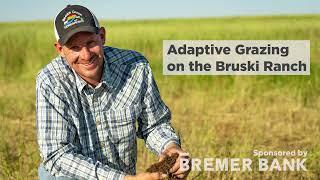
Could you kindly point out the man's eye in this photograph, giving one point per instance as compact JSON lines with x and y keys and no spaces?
{"x":92,"y":43}
{"x":75,"y":48}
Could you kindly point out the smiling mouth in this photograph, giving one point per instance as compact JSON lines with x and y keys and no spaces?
{"x":90,"y":62}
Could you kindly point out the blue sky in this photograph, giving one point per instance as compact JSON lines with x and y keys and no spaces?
{"x":24,"y":10}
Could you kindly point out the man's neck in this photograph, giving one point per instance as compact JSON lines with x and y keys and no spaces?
{"x":93,"y":82}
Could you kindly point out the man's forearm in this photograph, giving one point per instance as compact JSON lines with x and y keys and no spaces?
{"x":161,"y":136}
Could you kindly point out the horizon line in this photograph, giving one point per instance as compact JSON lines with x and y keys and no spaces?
{"x":176,"y":18}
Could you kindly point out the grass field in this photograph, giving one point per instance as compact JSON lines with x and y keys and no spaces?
{"x":216,"y":116}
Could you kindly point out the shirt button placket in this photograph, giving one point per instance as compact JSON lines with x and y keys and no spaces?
{"x":103,"y":145}
{"x":97,"y":109}
{"x":98,"y":118}
{"x":98,"y":121}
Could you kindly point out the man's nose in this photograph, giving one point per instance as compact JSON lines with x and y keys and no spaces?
{"x":85,"y":53}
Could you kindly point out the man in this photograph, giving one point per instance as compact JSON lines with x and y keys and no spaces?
{"x":89,"y":99}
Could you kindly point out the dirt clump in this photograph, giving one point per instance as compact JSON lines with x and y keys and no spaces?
{"x":164,"y":166}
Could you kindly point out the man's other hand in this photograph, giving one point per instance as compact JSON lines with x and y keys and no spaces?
{"x":176,"y":170}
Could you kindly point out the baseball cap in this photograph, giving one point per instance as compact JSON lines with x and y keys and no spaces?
{"x":73,"y":19}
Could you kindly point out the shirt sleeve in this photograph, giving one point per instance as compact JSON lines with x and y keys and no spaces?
{"x":58,"y":141}
{"x":154,"y":123}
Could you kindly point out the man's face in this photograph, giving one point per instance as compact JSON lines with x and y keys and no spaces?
{"x":84,"y":54}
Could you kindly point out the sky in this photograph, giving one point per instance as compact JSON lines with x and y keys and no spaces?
{"x":31,"y":10}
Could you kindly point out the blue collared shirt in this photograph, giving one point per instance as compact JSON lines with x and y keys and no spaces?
{"x":90,"y":133}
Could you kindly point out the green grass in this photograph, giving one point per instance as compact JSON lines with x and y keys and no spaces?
{"x":216,"y":116}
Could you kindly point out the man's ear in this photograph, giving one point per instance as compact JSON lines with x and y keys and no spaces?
{"x":59,"y":49}
{"x":102,"y":34}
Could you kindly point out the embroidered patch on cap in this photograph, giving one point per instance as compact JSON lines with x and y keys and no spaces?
{"x":72,"y":18}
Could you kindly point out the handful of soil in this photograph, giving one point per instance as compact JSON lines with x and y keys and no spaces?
{"x":165,"y":165}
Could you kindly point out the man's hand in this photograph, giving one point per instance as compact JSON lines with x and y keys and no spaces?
{"x":146,"y":176}
{"x":176,"y":170}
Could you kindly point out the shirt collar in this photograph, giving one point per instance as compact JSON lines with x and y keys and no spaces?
{"x":80,"y":83}
{"x":106,"y":74}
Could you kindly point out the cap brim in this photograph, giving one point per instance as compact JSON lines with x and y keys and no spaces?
{"x":69,"y":34}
